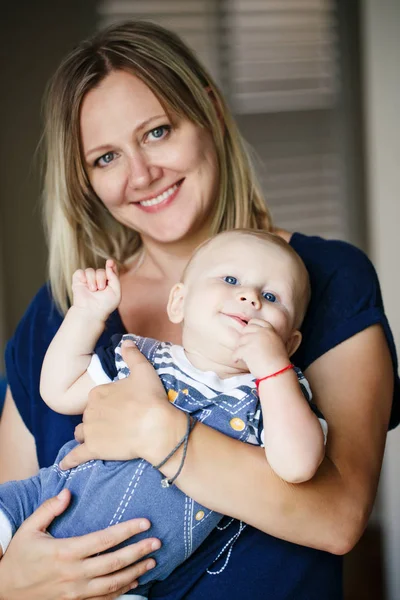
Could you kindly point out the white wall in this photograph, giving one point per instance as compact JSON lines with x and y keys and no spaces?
{"x":381,"y":27}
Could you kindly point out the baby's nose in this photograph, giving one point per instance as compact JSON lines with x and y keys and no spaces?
{"x":250,"y":296}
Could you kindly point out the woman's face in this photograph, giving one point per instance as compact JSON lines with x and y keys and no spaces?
{"x":157,"y":176}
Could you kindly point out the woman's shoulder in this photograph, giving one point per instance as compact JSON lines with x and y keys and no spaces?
{"x":327,"y":256}
{"x":39,"y":323}
{"x":345,"y":299}
{"x":344,"y":285}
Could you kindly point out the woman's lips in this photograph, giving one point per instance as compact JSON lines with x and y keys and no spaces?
{"x":162,"y":200}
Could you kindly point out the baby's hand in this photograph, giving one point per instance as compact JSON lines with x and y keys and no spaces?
{"x":261,"y":349}
{"x":97,"y":290}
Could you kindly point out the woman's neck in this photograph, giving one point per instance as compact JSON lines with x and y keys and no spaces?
{"x":167,"y":261}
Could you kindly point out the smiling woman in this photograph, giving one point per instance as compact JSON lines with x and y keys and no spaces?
{"x":143,"y":163}
{"x":155,"y":173}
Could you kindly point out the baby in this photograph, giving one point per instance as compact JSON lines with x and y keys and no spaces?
{"x":241,"y":301}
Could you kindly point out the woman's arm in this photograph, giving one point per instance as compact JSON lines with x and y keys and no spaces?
{"x":39,"y":567}
{"x":17,"y":446}
{"x":329,"y":512}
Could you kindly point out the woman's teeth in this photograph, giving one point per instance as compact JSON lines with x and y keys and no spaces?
{"x":160,"y":198}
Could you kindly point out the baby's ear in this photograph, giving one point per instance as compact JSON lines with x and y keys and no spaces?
{"x":293,"y":342}
{"x":175,"y":303}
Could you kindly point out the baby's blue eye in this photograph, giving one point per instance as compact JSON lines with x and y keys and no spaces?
{"x":231,"y":280}
{"x":269,"y":296}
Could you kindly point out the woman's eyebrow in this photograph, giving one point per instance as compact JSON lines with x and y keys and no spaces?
{"x":140,"y":127}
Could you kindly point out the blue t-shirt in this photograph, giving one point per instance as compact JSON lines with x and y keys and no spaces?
{"x":345,"y":300}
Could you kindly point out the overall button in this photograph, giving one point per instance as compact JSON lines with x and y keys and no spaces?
{"x":172,"y":395}
{"x":237,"y":424}
{"x":199,"y":515}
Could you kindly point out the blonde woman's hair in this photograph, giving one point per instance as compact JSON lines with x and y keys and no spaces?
{"x":80,"y":230}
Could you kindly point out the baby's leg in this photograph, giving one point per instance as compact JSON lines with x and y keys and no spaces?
{"x":18,"y":500}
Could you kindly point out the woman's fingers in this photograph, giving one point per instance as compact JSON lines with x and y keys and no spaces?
{"x":114,"y":595}
{"x":105,"y":539}
{"x":113,"y":584}
{"x":47,"y":512}
{"x":79,"y":434}
{"x":39,"y":567}
{"x":77,"y":456}
{"x":112,"y":574}
{"x":111,"y":562}
{"x":132,"y":355}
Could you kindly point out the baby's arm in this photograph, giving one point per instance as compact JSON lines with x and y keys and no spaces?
{"x":64,"y":382}
{"x":293,"y":436}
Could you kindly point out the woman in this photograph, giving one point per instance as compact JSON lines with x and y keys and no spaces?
{"x":143,"y":163}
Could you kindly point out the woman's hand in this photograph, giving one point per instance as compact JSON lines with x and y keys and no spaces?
{"x":128,"y":418}
{"x":39,"y":567}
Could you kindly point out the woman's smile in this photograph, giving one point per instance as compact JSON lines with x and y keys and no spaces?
{"x":137,"y":156}
{"x":161,"y":200}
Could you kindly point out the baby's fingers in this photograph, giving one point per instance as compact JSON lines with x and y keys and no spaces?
{"x":101,"y":279}
{"x":91,"y":279}
{"x":112,"y":276}
{"x":258,"y":323}
{"x":79,"y":277}
{"x":111,"y":267}
{"x":237,"y":354}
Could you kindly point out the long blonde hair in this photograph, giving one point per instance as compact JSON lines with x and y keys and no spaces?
{"x":80,"y":230}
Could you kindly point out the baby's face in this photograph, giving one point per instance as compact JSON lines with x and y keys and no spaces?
{"x":235,"y":278}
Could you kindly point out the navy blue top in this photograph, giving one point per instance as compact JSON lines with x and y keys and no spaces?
{"x":345,"y":299}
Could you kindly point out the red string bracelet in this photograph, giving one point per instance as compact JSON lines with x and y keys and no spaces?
{"x":258,"y":381}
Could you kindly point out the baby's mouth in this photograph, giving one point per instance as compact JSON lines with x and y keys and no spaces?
{"x":240,"y":319}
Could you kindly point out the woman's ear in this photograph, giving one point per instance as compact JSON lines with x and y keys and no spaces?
{"x":175,"y":303}
{"x":293,"y":342}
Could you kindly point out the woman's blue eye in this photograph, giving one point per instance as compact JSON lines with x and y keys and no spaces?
{"x":269,"y":296}
{"x":231,"y":280}
{"x":106,"y":159}
{"x":160,"y":132}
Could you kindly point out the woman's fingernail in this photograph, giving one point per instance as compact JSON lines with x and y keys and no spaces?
{"x":134,"y":585}
{"x":128,"y":343}
{"x":155,"y":545}
{"x":150,"y":564}
{"x":143,"y":525}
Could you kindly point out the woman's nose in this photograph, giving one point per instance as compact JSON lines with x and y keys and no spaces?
{"x":250,"y":296}
{"x":141,"y":172}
